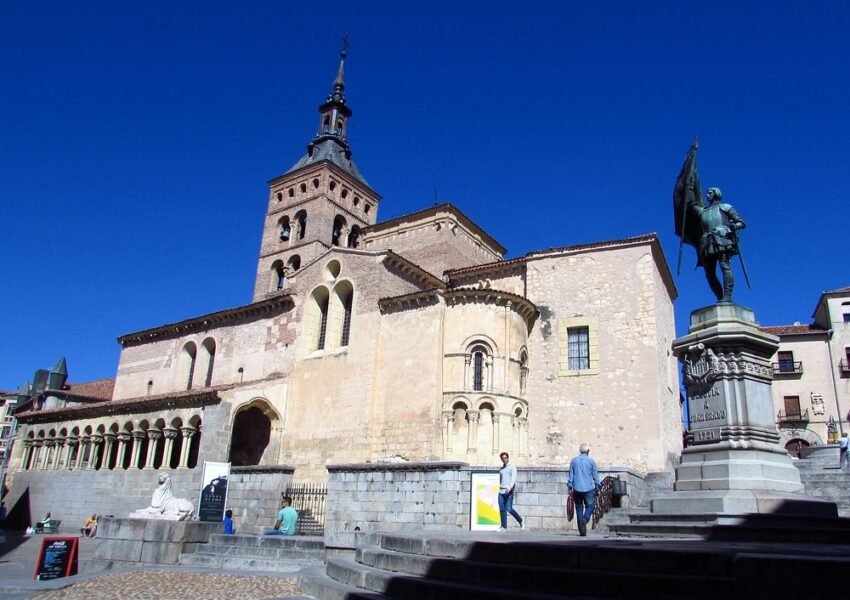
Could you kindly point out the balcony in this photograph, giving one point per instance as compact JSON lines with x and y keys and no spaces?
{"x":786,"y":418}
{"x":844,"y":368}
{"x":787,"y":368}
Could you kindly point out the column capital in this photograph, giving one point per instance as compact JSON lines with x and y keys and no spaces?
{"x":170,"y":433}
{"x":188,"y":431}
{"x":73,"y":440}
{"x":154,"y":433}
{"x":124,"y":436}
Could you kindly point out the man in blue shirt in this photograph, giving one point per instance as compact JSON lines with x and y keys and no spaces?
{"x":584,"y":483}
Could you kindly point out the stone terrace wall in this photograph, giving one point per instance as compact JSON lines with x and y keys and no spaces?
{"x":254,"y":496}
{"x":364,"y":499}
{"x":72,"y":496}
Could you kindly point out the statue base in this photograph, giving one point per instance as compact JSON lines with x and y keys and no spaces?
{"x":123,"y":542}
{"x":733,"y":462}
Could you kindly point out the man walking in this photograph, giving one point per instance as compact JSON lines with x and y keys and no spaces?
{"x":584,"y":483}
{"x":844,"y":451}
{"x":507,"y":484}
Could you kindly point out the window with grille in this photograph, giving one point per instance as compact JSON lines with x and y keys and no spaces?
{"x":578,"y":346}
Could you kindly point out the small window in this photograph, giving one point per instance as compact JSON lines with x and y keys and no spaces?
{"x":344,"y":193}
{"x":279,"y":196}
{"x":578,"y":346}
{"x":291,"y":192}
{"x":479,"y":366}
{"x":285,"y":229}
{"x":845,"y":309}
{"x":316,"y":183}
{"x":366,"y":208}
{"x":356,"y":200}
{"x":303,"y":188}
{"x":332,"y":185}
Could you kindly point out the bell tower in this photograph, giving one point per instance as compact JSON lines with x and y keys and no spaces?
{"x":321,"y":202}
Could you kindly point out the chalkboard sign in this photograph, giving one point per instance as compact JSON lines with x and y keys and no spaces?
{"x":57,"y":558}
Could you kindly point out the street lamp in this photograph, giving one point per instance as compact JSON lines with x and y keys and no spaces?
{"x":829,"y":334}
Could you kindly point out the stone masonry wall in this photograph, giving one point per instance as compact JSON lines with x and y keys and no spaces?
{"x":364,"y":499}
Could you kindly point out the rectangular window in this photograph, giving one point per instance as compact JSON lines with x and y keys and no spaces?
{"x":786,"y":362}
{"x":323,"y":326}
{"x":478,"y":371}
{"x":792,"y":406}
{"x":578,"y":343}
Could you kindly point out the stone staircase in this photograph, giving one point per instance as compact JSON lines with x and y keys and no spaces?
{"x":826,"y":482}
{"x":277,"y":553}
{"x":526,"y":565}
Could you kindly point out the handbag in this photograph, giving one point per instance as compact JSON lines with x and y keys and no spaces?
{"x":571,"y":506}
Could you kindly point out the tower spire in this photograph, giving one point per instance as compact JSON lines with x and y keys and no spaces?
{"x":339,"y":82}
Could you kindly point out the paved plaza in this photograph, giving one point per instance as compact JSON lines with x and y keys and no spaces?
{"x":18,"y":558}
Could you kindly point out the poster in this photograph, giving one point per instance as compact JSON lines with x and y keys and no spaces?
{"x":56,"y":558}
{"x":484,"y":502}
{"x":214,"y":492}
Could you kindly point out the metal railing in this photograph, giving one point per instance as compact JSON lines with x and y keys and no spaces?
{"x":789,"y":367}
{"x":604,"y":499}
{"x":844,"y":367}
{"x":309,"y":500}
{"x":793,"y":417}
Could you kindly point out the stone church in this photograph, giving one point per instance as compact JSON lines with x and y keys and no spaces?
{"x":411,"y":339}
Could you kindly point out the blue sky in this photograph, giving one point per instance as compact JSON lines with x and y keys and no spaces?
{"x":137,"y":139}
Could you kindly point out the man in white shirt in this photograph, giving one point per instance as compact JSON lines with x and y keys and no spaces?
{"x":843,"y":452}
{"x":507,"y":484}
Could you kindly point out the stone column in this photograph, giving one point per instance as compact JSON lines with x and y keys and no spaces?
{"x":515,"y":435}
{"x":80,"y":463}
{"x":497,"y":432}
{"x":108,"y":441}
{"x":154,"y":435}
{"x":170,"y":434}
{"x":472,"y":434}
{"x":449,"y":422}
{"x":467,"y":376}
{"x":123,"y":438}
{"x":523,"y":436}
{"x":71,"y":459}
{"x":28,"y":450}
{"x":187,"y":432}
{"x":96,"y":449}
{"x":138,"y":436}
{"x":46,"y":450}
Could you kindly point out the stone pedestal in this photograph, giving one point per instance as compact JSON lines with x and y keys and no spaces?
{"x":733,"y":462}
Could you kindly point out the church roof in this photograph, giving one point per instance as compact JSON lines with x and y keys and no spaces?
{"x":329,"y":151}
{"x":99,"y":388}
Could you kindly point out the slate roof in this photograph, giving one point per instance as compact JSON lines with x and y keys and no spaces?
{"x":793,"y":329}
{"x":329,"y":150}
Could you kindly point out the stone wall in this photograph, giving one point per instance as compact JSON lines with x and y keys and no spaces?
{"x":364,"y":499}
{"x":72,"y":496}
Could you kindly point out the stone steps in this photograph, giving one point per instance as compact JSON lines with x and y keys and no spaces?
{"x":262,"y":553}
{"x":473,"y":566}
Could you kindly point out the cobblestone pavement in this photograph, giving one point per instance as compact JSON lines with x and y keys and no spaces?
{"x":160,"y":585}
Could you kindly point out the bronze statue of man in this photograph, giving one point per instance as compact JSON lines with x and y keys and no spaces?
{"x":711,"y":229}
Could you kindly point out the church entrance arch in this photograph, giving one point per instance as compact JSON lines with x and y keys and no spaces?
{"x":251,"y":433}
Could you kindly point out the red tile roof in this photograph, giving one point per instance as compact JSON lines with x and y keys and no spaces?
{"x":99,"y":388}
{"x":793,"y":329}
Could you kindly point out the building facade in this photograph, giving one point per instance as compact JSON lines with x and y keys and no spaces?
{"x":811,"y":370}
{"x":412,"y":339}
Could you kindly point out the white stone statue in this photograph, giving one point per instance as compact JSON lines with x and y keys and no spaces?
{"x":164,"y":505}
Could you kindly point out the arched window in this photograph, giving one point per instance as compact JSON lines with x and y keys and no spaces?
{"x":294,"y":263}
{"x":278,"y":276}
{"x":209,"y":354}
{"x":523,"y":371}
{"x":284,"y":228}
{"x":341,"y":312}
{"x":301,"y":220}
{"x":338,"y":228}
{"x":316,"y":316}
{"x":479,"y":366}
{"x":195,"y":443}
{"x":251,"y":434}
{"x":186,"y":363}
{"x":354,"y":236}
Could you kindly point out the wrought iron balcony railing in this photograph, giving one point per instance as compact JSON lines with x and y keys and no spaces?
{"x":844,"y":368}
{"x":793,"y":417}
{"x":788,"y":368}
